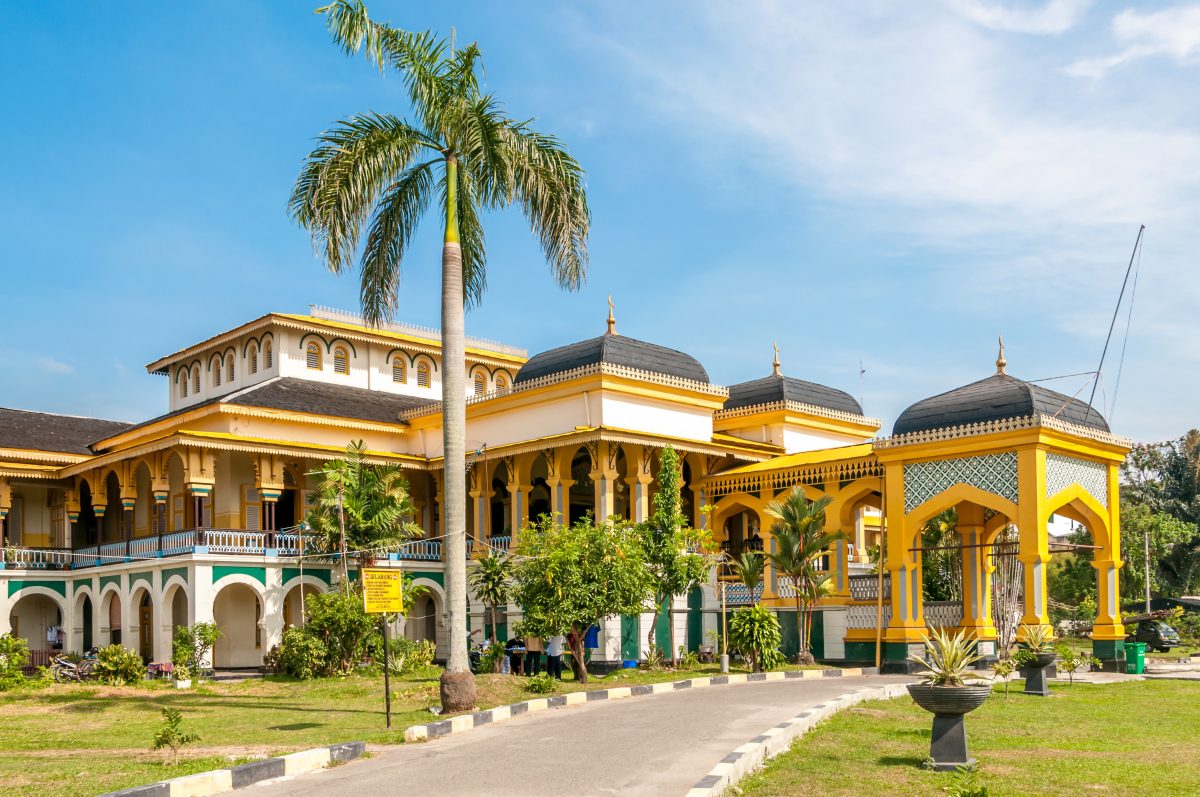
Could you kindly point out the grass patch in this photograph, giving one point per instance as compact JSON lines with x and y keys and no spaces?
{"x":1127,"y":738}
{"x":70,"y":739}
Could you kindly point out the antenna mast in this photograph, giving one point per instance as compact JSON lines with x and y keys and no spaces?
{"x":1116,"y":311}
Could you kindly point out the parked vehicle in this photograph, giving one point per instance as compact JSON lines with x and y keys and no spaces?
{"x":64,"y":670}
{"x":1153,"y":632}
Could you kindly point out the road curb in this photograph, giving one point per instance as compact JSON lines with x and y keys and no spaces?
{"x":216,"y":781}
{"x":745,"y":759}
{"x":467,"y":722}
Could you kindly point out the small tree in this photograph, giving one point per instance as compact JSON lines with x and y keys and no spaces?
{"x":171,"y":736}
{"x":677,"y":556}
{"x":343,"y":627}
{"x":754,"y":632}
{"x":191,"y":645}
{"x":490,"y":579}
{"x":800,"y":539}
{"x":568,"y":578}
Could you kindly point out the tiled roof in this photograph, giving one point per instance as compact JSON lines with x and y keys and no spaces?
{"x":322,"y":398}
{"x":615,"y":350}
{"x":998,"y":397}
{"x":775,"y":388}
{"x":43,"y":431}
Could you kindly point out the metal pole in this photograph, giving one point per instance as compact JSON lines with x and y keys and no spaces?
{"x":1146,"y":539}
{"x":342,"y":541}
{"x":879,"y":568}
{"x":387,"y":686}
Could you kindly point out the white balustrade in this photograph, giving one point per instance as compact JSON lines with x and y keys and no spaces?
{"x":422,"y":550}
{"x":943,"y":614}
{"x":234,"y":540}
{"x":144,"y":547}
{"x":37,"y":558}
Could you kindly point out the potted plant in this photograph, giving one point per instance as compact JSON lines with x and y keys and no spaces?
{"x":946,"y":694}
{"x":1035,"y":657}
{"x":182,"y":676}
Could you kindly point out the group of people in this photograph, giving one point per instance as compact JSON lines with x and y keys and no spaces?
{"x":523,"y":656}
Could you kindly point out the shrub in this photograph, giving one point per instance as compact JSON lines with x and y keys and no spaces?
{"x":540,"y":684}
{"x":14,"y":655}
{"x":754,"y":632}
{"x":948,"y":657}
{"x":407,"y":655}
{"x":119,"y":665}
{"x":191,"y":645}
{"x":343,"y":628}
{"x":490,"y":659}
{"x":170,"y":735}
{"x":299,"y":655}
{"x":687,"y":659}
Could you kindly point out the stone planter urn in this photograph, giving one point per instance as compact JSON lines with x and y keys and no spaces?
{"x":948,"y":705}
{"x":1037,"y":681}
{"x":183,"y":683}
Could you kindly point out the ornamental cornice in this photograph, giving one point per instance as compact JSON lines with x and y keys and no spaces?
{"x":1035,"y":421}
{"x":800,"y":407}
{"x":814,"y":473}
{"x":53,"y":457}
{"x":596,"y":369}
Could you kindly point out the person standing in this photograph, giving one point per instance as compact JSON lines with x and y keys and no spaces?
{"x":554,"y":651}
{"x":533,"y":655}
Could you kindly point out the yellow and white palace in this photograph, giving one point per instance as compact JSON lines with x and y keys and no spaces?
{"x":120,"y":532}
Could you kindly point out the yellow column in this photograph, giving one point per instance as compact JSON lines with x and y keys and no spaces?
{"x":839,"y":553}
{"x":518,"y":489}
{"x":1034,"y":540}
{"x":604,"y":476}
{"x":907,"y":623}
{"x":1107,"y":561}
{"x":559,"y":481}
{"x":638,"y":477}
{"x":976,"y":576}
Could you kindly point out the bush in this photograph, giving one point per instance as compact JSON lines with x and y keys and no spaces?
{"x":191,"y":645}
{"x":542,"y":684}
{"x":754,"y":632}
{"x":407,"y":655}
{"x":119,"y":665}
{"x":687,"y":659}
{"x":298,"y":655}
{"x":490,"y":659}
{"x":344,"y":629}
{"x":14,"y":655}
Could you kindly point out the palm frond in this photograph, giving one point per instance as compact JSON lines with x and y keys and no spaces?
{"x":344,"y":175}
{"x":392,"y":227}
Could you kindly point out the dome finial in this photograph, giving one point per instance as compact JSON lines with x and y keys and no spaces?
{"x":1001,"y":363}
{"x":612,"y":321}
{"x":775,"y":365}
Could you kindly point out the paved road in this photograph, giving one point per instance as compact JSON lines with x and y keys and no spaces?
{"x":657,"y":744}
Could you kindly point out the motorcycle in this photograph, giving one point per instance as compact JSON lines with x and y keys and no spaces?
{"x":65,"y":671}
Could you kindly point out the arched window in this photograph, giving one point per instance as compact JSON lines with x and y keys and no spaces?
{"x":267,"y":359}
{"x":341,"y":363}
{"x":216,"y":372}
{"x":399,"y":374}
{"x":196,"y":379}
{"x":501,"y":384}
{"x":312,"y":356}
{"x":422,"y":374}
{"x":183,"y":377}
{"x":480,"y":384}
{"x":252,"y":360}
{"x":230,"y":373}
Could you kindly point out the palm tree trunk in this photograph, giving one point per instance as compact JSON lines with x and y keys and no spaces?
{"x":799,"y":623}
{"x":454,"y":430}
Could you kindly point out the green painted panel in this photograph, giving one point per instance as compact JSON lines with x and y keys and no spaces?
{"x":136,"y":577}
{"x":787,"y":630}
{"x":182,"y":572}
{"x":106,"y":580}
{"x":629,"y":638}
{"x":220,"y":571}
{"x":57,"y":586}
{"x":294,"y":572}
{"x":860,"y":652}
{"x":817,"y":643}
{"x":436,"y":576}
{"x":695,"y":619}
{"x":662,"y":629}
{"x":895,"y":651}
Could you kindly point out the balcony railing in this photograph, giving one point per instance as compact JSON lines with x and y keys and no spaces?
{"x":866,"y":587}
{"x":421,"y":550}
{"x":176,"y":543}
{"x":37,"y":558}
{"x":738,"y":595}
{"x":499,"y":544}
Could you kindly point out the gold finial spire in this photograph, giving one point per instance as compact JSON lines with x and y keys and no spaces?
{"x":775,"y":365}
{"x":1001,"y":363}
{"x":612,"y":321}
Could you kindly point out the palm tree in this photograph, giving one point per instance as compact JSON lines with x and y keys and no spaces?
{"x":377,"y":173}
{"x":490,"y":580}
{"x":360,"y":506}
{"x":800,"y":539}
{"x":748,"y":567}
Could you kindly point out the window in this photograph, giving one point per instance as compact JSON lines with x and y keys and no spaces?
{"x":501,"y":384}
{"x":480,"y":385}
{"x":312,"y":356}
{"x":252,"y":363}
{"x":196,"y":379}
{"x":229,"y":372}
{"x":422,"y":374}
{"x":398,"y":372}
{"x":182,"y":375}
{"x":216,"y":372}
{"x":267,"y":354}
{"x":341,"y":363}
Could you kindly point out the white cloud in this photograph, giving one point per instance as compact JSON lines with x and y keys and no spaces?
{"x":1172,"y":33}
{"x":53,"y":366}
{"x":1054,"y":17}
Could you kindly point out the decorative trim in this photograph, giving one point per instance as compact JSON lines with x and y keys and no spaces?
{"x":797,"y":406}
{"x":814,"y":473}
{"x":1003,"y":425}
{"x":601,"y":369}
{"x":992,"y":473}
{"x":1063,"y":471}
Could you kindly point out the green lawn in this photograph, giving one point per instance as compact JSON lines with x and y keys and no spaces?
{"x":87,"y":739}
{"x":1119,"y":739}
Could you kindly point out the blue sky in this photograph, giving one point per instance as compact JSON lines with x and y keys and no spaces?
{"x":861,"y":182}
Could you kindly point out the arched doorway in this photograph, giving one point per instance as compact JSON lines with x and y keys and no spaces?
{"x":582,"y":495}
{"x":110,"y":618}
{"x":237,"y":611}
{"x":38,"y":620}
{"x":424,"y":621}
{"x":84,"y":619}
{"x":293,"y":604}
{"x":144,"y":608}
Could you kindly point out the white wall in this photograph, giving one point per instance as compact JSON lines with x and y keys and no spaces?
{"x":234,"y":611}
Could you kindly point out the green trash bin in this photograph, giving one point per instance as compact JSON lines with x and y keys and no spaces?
{"x":1135,"y":658}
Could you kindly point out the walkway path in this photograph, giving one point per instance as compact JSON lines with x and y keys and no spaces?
{"x":659,"y":744}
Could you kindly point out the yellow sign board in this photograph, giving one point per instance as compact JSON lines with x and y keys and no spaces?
{"x":381,"y":590}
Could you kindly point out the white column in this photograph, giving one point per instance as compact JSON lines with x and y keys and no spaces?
{"x":273,"y":597}
{"x":200,"y":608}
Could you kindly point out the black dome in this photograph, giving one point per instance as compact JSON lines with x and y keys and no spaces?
{"x":614,"y":350}
{"x":998,"y":397}
{"x":774,"y":388}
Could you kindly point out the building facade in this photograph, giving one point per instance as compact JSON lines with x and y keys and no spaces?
{"x":119,"y":532}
